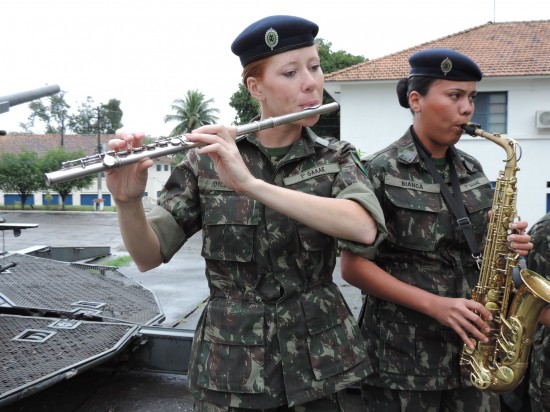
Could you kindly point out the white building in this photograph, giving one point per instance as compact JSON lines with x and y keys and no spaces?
{"x":513,"y":99}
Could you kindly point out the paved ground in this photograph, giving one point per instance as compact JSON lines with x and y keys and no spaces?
{"x":180,"y":287}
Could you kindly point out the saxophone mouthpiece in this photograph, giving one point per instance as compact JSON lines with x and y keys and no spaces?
{"x":470,"y":128}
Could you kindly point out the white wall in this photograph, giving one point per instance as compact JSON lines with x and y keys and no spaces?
{"x":371,"y":118}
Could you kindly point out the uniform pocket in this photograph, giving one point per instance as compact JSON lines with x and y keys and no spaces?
{"x":409,"y":349}
{"x":415,"y":220}
{"x":334,"y":341}
{"x":229,"y":224}
{"x":233,"y":348}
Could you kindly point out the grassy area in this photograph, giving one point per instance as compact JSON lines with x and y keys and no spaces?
{"x":118,"y":261}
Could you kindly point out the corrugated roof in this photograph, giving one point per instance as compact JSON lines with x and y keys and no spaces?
{"x":500,"y":49}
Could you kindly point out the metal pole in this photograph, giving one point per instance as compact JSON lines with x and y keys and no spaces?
{"x":99,"y":150}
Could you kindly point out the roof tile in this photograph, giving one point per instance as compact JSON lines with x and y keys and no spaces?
{"x":500,"y":49}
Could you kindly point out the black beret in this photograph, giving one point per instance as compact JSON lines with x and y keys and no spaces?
{"x":444,"y":64}
{"x":272,"y":35}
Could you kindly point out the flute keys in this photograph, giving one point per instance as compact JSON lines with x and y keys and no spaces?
{"x":109,"y":161}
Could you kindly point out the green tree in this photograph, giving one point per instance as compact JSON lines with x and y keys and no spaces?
{"x":329,"y":123}
{"x":87,"y":121}
{"x":191,"y":112}
{"x":21,"y":173}
{"x":53,"y":160}
{"x":333,"y":61}
{"x":111,"y":117}
{"x":57,"y":119}
{"x":53,"y":114}
{"x":247,"y":108}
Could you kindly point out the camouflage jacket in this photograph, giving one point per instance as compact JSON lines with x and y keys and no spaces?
{"x":538,"y":261}
{"x":424,"y":247}
{"x":276,"y":329}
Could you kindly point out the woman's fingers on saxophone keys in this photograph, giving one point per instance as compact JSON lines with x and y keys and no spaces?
{"x":520,"y":243}
{"x":477,"y":316}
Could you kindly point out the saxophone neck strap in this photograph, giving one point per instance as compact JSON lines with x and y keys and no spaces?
{"x":453,"y":200}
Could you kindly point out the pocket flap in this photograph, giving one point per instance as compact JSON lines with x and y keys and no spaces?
{"x":234,"y":323}
{"x":324,"y":308}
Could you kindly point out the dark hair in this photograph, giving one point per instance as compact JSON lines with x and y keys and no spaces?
{"x":406,"y":85}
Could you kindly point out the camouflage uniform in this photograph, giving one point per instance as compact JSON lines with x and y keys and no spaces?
{"x":276,"y":329}
{"x":538,"y":261}
{"x":424,"y":247}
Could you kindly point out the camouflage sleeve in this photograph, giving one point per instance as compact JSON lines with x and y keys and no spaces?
{"x":178,"y":214}
{"x":352,"y":183}
{"x":538,"y":259}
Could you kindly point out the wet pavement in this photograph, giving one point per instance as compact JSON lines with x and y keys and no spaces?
{"x":181,"y":289}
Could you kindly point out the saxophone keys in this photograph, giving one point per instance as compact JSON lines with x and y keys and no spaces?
{"x":505,"y":374}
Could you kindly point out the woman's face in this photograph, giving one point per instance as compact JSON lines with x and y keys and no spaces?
{"x":441,"y":112}
{"x":291,"y":82}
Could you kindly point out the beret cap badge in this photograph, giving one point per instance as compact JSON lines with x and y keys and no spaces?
{"x":280,"y":33}
{"x":446,"y":66}
{"x":442,"y":63}
{"x":271,"y":38}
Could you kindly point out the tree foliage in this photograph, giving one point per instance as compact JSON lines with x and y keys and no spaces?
{"x":329,"y":124}
{"x":88,"y":119}
{"x":21,"y":173}
{"x":333,"y":61}
{"x":247,"y":108}
{"x":191,"y":112}
{"x":53,"y":160}
{"x":53,"y":114}
{"x":111,"y":117}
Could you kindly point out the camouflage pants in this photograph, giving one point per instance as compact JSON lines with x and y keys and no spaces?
{"x":452,"y":400}
{"x":328,"y":404}
{"x":540,"y":405}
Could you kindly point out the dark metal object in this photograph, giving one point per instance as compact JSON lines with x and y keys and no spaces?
{"x":23,"y":97}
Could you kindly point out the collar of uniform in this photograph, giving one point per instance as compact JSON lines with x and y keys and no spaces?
{"x":301,"y":148}
{"x":406,"y":149}
{"x":407,"y":154}
{"x":462,"y":166}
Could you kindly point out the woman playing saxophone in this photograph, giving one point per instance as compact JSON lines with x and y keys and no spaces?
{"x":418,"y":311}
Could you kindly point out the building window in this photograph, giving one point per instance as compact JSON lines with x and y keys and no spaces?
{"x":166,"y":168}
{"x":491,"y":111}
{"x":159,"y":167}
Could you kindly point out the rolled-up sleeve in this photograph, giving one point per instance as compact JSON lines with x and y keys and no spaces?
{"x":353,"y":184}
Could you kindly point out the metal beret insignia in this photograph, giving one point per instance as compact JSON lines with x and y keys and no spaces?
{"x":446,"y":66}
{"x":271,"y":38}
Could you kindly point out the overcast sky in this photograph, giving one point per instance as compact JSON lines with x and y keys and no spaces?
{"x":148,"y":53}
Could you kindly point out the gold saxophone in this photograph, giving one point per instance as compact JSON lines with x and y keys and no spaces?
{"x":499,"y":365}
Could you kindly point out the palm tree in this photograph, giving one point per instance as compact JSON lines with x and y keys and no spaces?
{"x":191,"y":112}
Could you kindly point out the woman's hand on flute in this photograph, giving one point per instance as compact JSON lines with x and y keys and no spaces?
{"x":127,"y":183}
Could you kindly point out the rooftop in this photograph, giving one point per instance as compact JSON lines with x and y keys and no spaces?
{"x":500,"y":49}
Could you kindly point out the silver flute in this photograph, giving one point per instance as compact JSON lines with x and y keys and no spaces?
{"x":101,"y":162}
